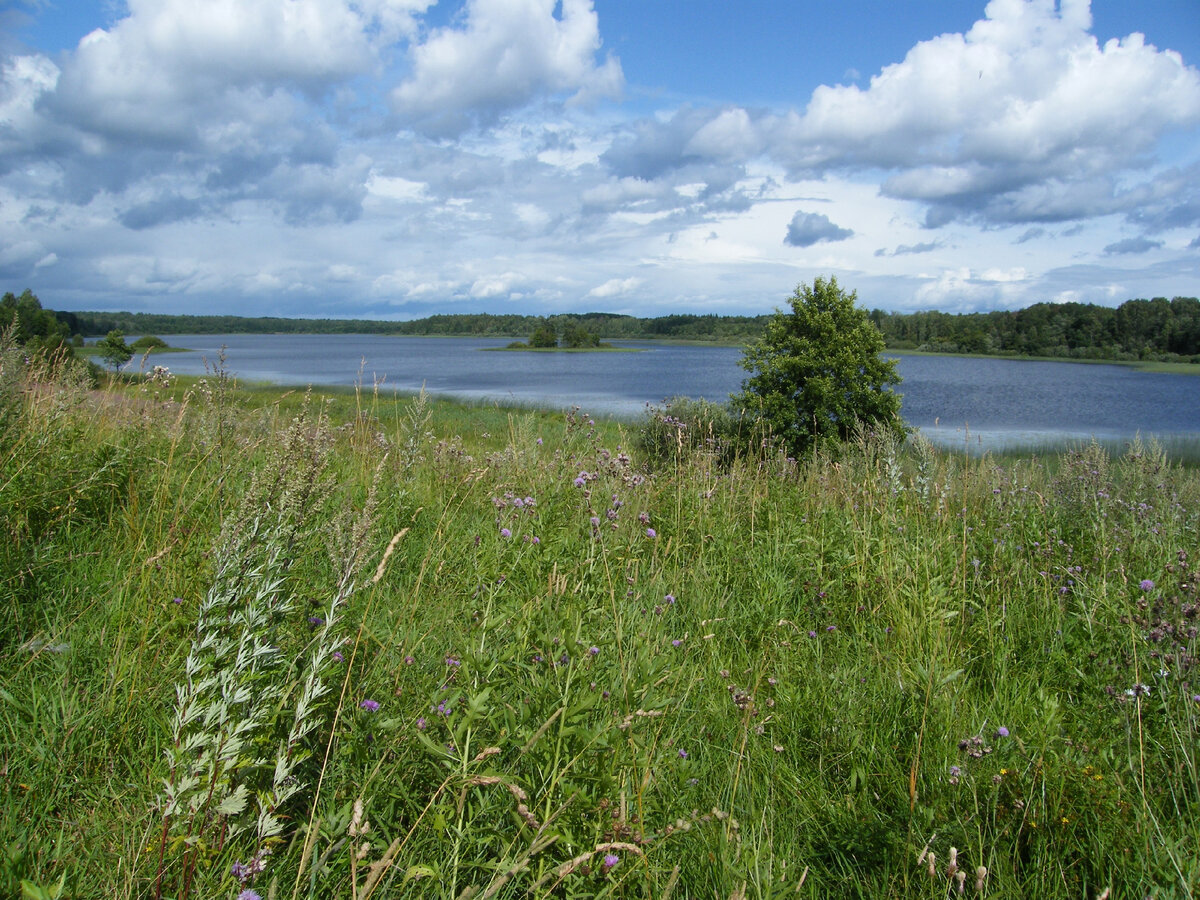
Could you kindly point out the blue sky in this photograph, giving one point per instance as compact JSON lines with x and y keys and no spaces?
{"x":398,"y":158}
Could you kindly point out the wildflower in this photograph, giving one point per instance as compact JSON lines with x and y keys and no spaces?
{"x":670,"y":598}
{"x":676,"y":643}
{"x":249,"y":894}
{"x":682,"y":753}
{"x":421,"y":723}
{"x":610,"y":860}
{"x":536,"y":539}
{"x":1147,"y":585}
{"x":831,"y":628}
{"x":651,"y":533}
{"x":451,"y":661}
{"x":539,"y":442}
{"x":593,"y":651}
{"x":178,"y":601}
{"x":812,"y":634}
{"x":315,"y":621}
{"x":644,"y":518}
{"x":1002,"y":731}
{"x":518,"y":502}
{"x":595,"y":521}
{"x":505,"y":533}
{"x":337,"y":656}
{"x":408,"y":660}
{"x":370,"y":705}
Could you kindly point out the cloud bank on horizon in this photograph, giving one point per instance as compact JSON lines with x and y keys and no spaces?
{"x":398,"y":158}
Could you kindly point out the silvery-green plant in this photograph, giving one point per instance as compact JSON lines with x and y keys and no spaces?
{"x":247,"y":713}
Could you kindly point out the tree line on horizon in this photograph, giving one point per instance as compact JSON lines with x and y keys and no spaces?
{"x":1156,"y":329}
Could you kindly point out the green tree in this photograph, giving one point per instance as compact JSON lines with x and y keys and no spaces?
{"x":544,"y":337}
{"x":817,"y":373}
{"x":114,"y":349}
{"x":576,"y":338}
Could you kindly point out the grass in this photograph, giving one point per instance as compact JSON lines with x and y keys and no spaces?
{"x":353,"y":645}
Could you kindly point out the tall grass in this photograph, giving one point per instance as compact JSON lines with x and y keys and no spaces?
{"x":359,"y":646}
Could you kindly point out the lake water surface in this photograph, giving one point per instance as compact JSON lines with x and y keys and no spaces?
{"x":988,"y":402}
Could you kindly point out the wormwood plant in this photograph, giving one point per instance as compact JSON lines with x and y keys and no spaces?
{"x":252,"y":709}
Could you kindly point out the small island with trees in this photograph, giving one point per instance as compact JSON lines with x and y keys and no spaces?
{"x":574,"y":338}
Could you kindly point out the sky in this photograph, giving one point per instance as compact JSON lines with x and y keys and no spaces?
{"x":393,"y":159}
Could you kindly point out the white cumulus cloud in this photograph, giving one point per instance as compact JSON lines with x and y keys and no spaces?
{"x":505,"y":54}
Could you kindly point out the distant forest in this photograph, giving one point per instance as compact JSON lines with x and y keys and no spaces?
{"x":1157,"y":329}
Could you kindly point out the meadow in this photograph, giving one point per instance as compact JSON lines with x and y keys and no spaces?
{"x":258,"y":643}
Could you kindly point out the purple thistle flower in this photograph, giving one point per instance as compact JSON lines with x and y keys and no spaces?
{"x":812,"y":634}
{"x":505,"y":533}
{"x":676,"y":643}
{"x":610,"y":860}
{"x":594,"y":651}
{"x":370,"y":705}
{"x":595,"y":521}
{"x":1002,"y":731}
{"x":337,"y":656}
{"x":651,"y":533}
{"x":451,"y":661}
{"x":539,"y":442}
{"x":421,"y":723}
{"x":682,"y":753}
{"x":670,"y":598}
{"x":248,"y":894}
{"x":408,"y":660}
{"x":178,"y":601}
{"x":1147,"y":585}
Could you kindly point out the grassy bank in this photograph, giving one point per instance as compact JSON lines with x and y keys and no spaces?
{"x":351,"y":647}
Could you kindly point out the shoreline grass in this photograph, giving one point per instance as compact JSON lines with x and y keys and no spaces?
{"x":567,"y":670}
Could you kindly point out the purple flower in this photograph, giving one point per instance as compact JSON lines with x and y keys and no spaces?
{"x":248,"y":894}
{"x":408,"y":660}
{"x":812,"y":634}
{"x":421,"y":723}
{"x":682,"y":753}
{"x":1002,"y":731}
{"x":955,"y":771}
{"x":536,"y":539}
{"x":505,"y":533}
{"x":518,"y":502}
{"x":178,"y":601}
{"x":337,"y":656}
{"x":595,"y":521}
{"x":594,"y":651}
{"x":651,"y":533}
{"x":610,"y":860}
{"x":539,"y":442}
{"x":1147,"y":585}
{"x":670,"y":598}
{"x":676,"y":643}
{"x":451,"y":661}
{"x":370,"y":705}
{"x":315,"y":620}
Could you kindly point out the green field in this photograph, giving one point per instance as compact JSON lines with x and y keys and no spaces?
{"x":355,"y":645}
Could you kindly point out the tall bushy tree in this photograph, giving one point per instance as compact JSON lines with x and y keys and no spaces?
{"x":817,"y":373}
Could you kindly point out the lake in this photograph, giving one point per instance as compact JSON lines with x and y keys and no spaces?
{"x":986,"y":402}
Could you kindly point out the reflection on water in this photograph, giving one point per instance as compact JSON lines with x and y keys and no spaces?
{"x":985,"y":403}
